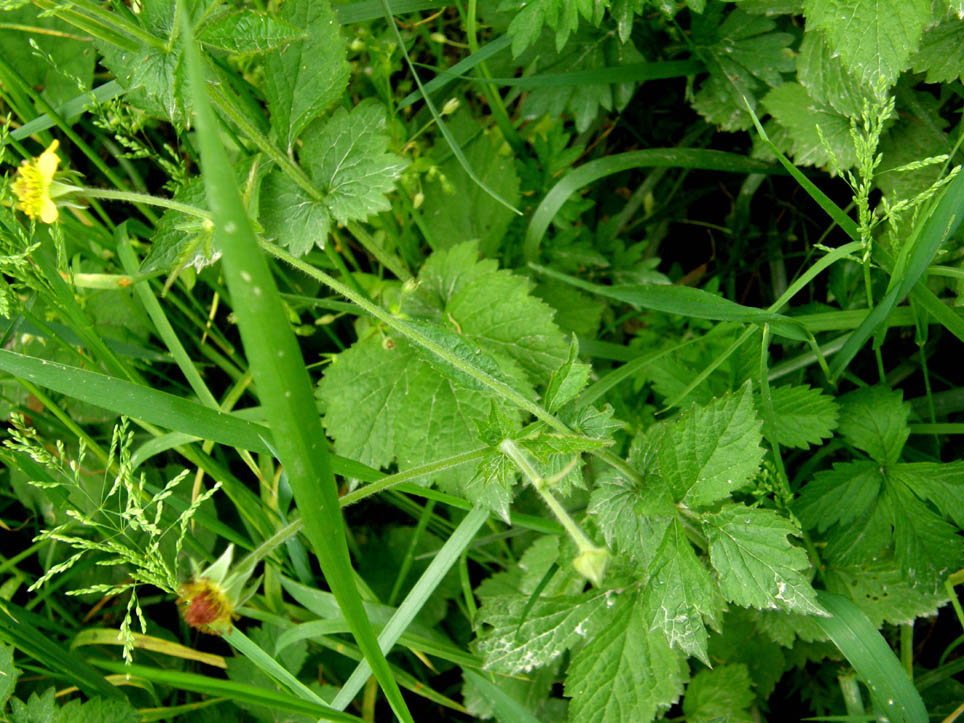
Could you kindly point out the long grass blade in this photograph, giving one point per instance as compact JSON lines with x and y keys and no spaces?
{"x":280,"y":376}
{"x":873,"y":660}
{"x":18,"y":630}
{"x":936,"y":228}
{"x":240,"y":692}
{"x":650,"y":158}
{"x":416,"y":599}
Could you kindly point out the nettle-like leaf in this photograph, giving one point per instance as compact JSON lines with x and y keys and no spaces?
{"x":881,"y":589}
{"x":624,"y":516}
{"x":874,"y":420}
{"x":568,"y":381}
{"x":43,"y":707}
{"x":802,"y":416}
{"x":680,"y":594}
{"x":744,"y":56}
{"x":154,"y":75}
{"x":757,"y":565}
{"x":551,"y":626}
{"x":306,"y":76}
{"x":457,"y":209}
{"x":712,"y":451}
{"x":248,"y":31}
{"x":723,"y":693}
{"x":347,"y":160}
{"x":819,"y":137}
{"x":819,"y":505}
{"x":827,"y":80}
{"x":588,"y":50}
{"x":939,"y":54}
{"x":384,"y":397}
{"x":626,"y":672}
{"x":562,"y":16}
{"x":180,"y":240}
{"x":874,"y":38}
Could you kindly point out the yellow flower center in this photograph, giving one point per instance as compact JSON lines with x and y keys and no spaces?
{"x":32,"y":185}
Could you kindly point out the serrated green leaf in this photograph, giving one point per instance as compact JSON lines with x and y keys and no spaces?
{"x":718,"y":695}
{"x":42,"y":708}
{"x":304,"y":78}
{"x":588,"y":50}
{"x":827,"y":80}
{"x":616,"y":507}
{"x":625,"y":673}
{"x":383,"y":403}
{"x":498,"y":312}
{"x":180,"y":239}
{"x":925,"y":546}
{"x":834,"y":150}
{"x":552,"y":626}
{"x":491,"y":485}
{"x":940,"y":483}
{"x":744,"y":57}
{"x":576,"y":312}
{"x":680,"y":594}
{"x":249,"y":31}
{"x":347,"y":158}
{"x":819,"y":505}
{"x":939,"y":53}
{"x":712,"y":451}
{"x":757,"y":565}
{"x":460,"y":210}
{"x":154,"y":75}
{"x":802,"y":415}
{"x":384,"y":397}
{"x":874,"y":38}
{"x":562,"y":16}
{"x":568,"y":381}
{"x":881,"y":589}
{"x":290,"y":218}
{"x":874,"y":419}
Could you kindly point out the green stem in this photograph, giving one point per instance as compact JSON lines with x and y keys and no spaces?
{"x":512,"y":451}
{"x":134,"y":197}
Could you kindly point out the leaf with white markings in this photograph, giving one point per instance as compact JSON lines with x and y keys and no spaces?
{"x":551,"y":626}
{"x":626,"y":672}
{"x":757,"y":565}
{"x":680,"y":594}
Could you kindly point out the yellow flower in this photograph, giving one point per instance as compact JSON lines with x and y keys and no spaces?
{"x":33,"y":185}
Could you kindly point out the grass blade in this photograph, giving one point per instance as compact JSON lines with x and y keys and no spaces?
{"x":867,"y":651}
{"x":938,"y":226}
{"x":650,"y":158}
{"x":506,"y":708}
{"x":239,"y":692}
{"x":16,"y":629}
{"x":280,"y":376}
{"x":458,"y":71}
{"x":416,"y":599}
{"x":440,"y":124}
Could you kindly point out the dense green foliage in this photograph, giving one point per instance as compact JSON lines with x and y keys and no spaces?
{"x":587,"y":360}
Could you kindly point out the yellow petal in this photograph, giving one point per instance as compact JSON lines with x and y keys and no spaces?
{"x":48,"y":161}
{"x":48,"y":211}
